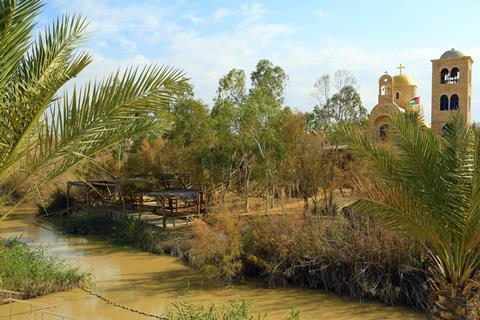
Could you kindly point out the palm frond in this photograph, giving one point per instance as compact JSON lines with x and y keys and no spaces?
{"x":428,"y":186}
{"x":40,"y":74}
{"x":16,"y":25}
{"x":100,"y":115}
{"x":42,"y":134}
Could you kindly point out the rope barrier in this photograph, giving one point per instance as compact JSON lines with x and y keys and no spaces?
{"x":115,"y":304}
{"x":118,"y":305}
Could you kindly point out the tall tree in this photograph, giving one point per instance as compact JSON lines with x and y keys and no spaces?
{"x":227,"y":155}
{"x":302,"y":168}
{"x":44,"y":133}
{"x":260,"y":122}
{"x":428,"y":186}
{"x":344,"y":106}
{"x":190,"y":140}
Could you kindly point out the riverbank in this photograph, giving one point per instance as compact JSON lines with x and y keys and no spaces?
{"x":153,"y":283}
{"x":33,"y":273}
{"x":350,"y":256}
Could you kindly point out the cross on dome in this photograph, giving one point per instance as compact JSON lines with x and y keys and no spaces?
{"x":401,"y":67}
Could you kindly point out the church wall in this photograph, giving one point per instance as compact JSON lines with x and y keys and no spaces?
{"x":406,"y":94}
{"x":462,"y":89}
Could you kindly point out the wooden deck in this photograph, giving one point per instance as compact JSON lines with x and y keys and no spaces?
{"x":171,"y":207}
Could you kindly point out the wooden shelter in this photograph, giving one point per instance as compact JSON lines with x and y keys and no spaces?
{"x":180,"y":203}
{"x":97,"y":191}
{"x":171,"y":202}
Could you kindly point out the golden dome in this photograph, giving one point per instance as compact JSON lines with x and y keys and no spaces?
{"x":403,"y":80}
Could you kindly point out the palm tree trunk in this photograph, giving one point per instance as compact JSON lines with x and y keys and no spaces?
{"x":449,"y":304}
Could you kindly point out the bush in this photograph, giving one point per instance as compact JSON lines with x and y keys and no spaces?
{"x":217,"y":248}
{"x":33,"y":273}
{"x":238,"y":311}
{"x":86,"y":224}
{"x":57,"y":202}
{"x":347,"y":254}
{"x":120,"y":229}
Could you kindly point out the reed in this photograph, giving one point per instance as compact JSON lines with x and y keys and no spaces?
{"x":347,"y":254}
{"x":123,"y":230}
{"x":235,"y":311}
{"x":34,"y":273}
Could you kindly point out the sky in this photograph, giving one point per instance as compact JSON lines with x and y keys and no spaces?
{"x":206,"y":39}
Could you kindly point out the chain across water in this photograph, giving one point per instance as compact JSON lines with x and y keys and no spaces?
{"x":118,"y":305}
{"x":91,"y":292}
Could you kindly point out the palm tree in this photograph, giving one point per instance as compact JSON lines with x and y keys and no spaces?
{"x":45,"y":129}
{"x":429,"y":187}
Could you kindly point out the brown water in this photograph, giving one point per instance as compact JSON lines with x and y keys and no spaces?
{"x":152,"y":283}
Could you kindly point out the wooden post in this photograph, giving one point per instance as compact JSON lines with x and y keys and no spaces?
{"x":140,"y":200}
{"x":88,"y":199}
{"x":171,"y":210}
{"x":205,"y":203}
{"x":198,"y":203}
{"x":164,"y":214}
{"x":68,"y":197}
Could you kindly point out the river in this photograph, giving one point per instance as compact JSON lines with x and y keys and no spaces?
{"x":152,"y":283}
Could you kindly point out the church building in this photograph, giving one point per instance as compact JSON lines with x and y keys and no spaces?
{"x":451,"y":90}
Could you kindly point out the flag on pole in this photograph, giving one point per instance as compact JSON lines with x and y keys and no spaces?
{"x":415,"y":102}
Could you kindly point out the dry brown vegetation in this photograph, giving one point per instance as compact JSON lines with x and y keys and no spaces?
{"x":346,"y":254}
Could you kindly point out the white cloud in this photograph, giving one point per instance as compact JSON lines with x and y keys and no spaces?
{"x":221,"y":14}
{"x":218,"y":15}
{"x":109,"y":17}
{"x":193,"y":18}
{"x":253,"y":12}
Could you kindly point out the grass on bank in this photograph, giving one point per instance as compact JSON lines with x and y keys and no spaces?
{"x":34,"y":273}
{"x":236,"y":311}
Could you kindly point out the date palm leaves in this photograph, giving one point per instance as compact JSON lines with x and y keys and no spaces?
{"x":45,"y":129}
{"x":428,"y":186}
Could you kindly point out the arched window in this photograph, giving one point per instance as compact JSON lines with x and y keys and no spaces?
{"x":397,"y":95}
{"x":444,"y":102}
{"x":444,"y":76}
{"x":454,"y":76}
{"x":384,"y":90}
{"x":383,"y":132}
{"x":454,"y":102}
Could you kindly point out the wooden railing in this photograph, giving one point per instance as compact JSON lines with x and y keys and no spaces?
{"x":36,"y":310}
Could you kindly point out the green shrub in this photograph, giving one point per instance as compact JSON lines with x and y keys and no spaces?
{"x":57,"y":202}
{"x":83,"y":224}
{"x":236,"y":311}
{"x":120,"y":229}
{"x":34,"y":273}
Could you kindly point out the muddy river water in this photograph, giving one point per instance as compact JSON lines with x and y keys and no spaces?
{"x":152,"y":283}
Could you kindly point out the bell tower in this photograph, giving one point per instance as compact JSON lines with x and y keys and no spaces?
{"x":451,"y":88}
{"x":385,"y":86}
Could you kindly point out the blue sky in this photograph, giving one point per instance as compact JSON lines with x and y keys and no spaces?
{"x":306,"y":38}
